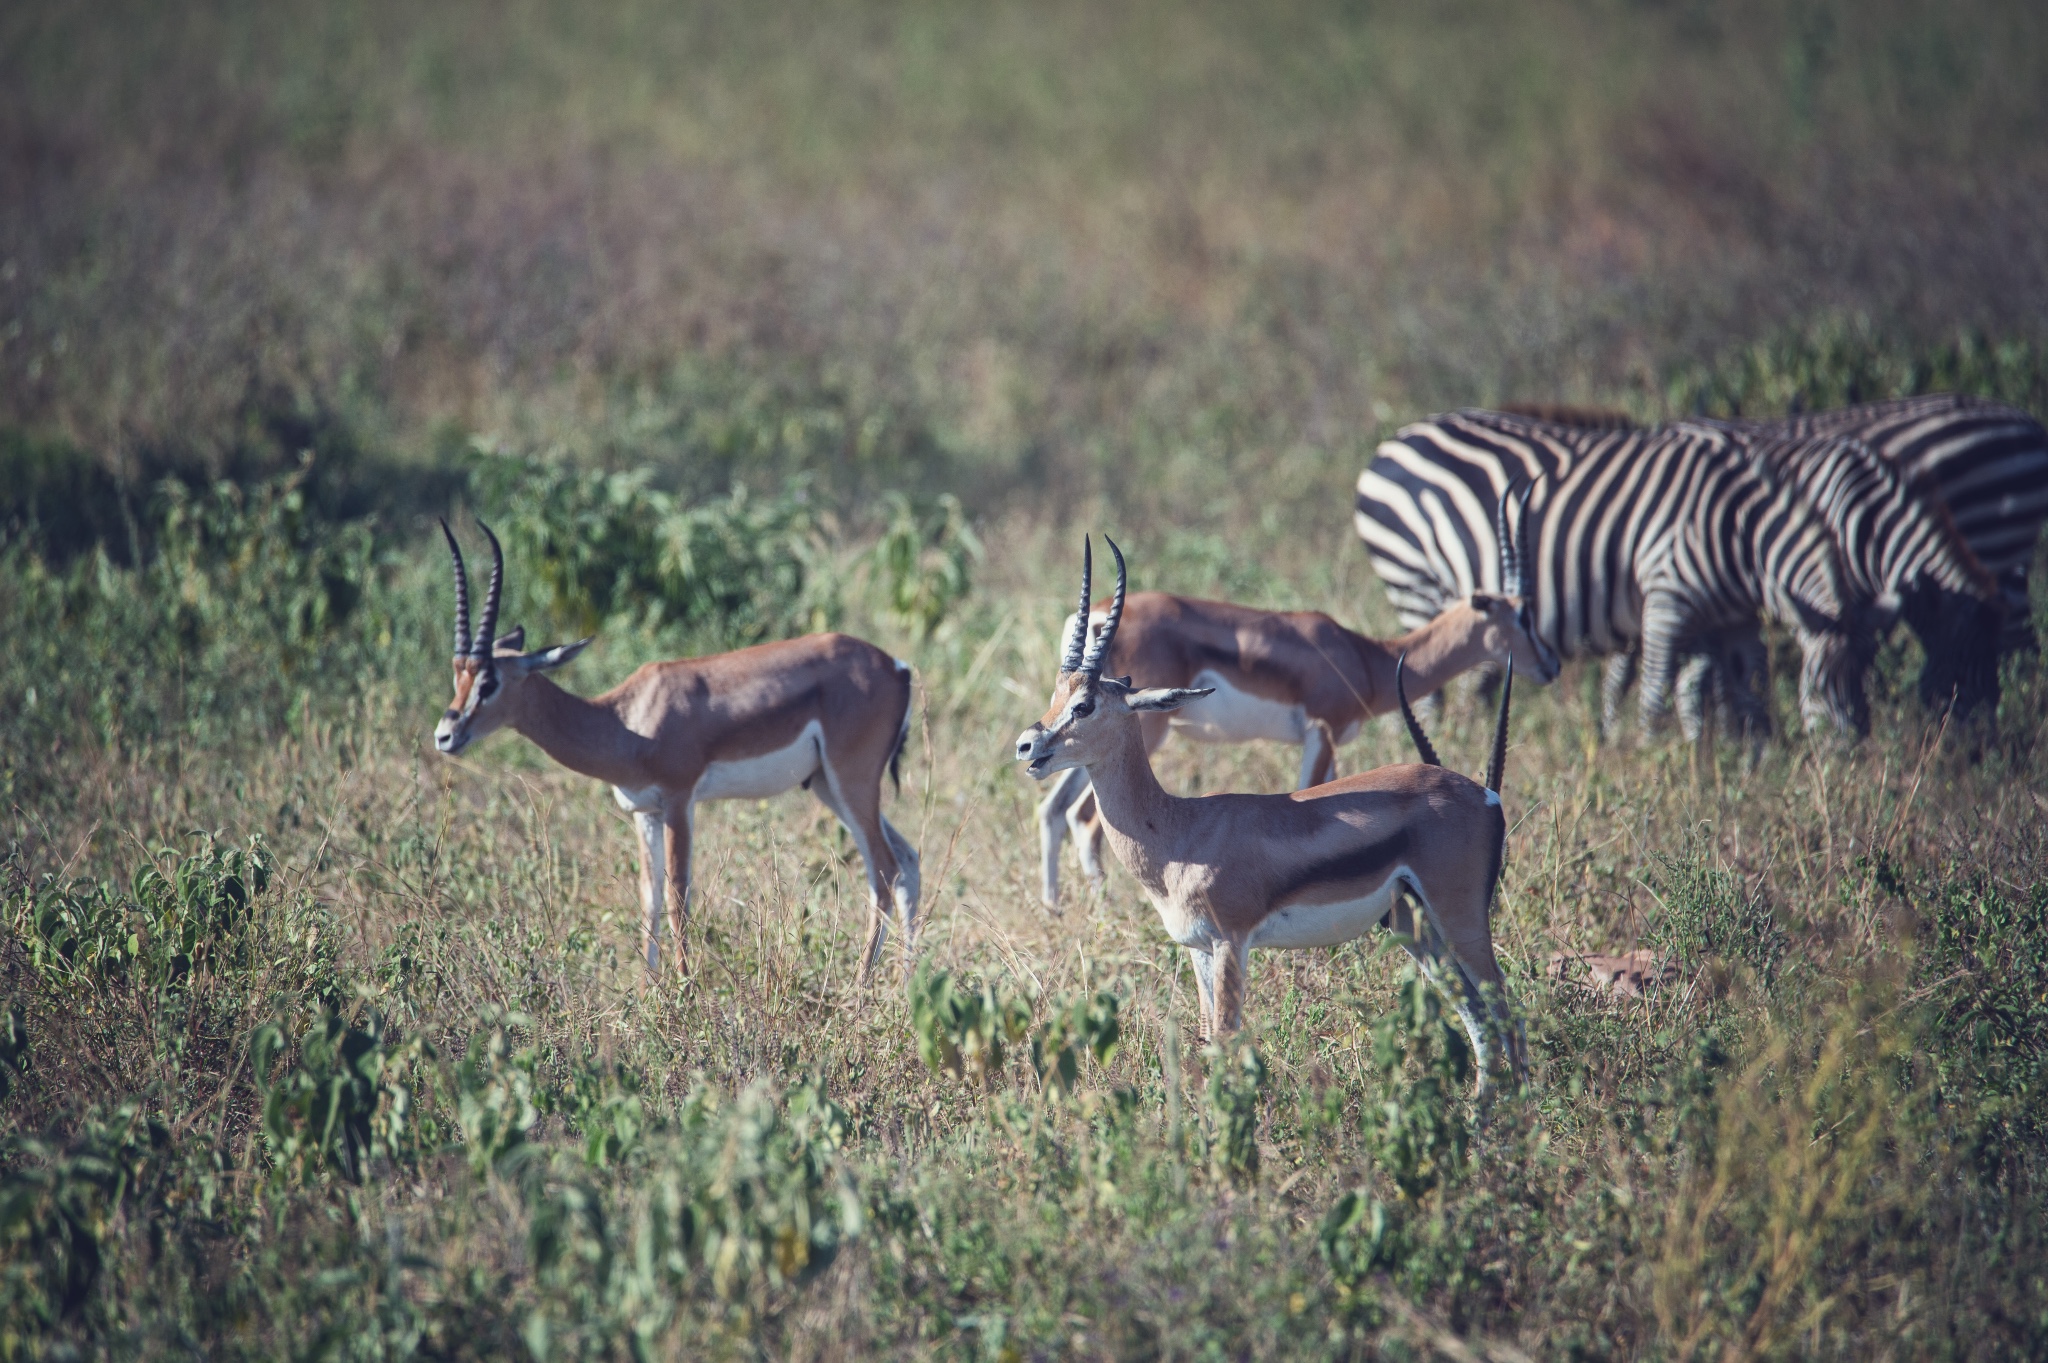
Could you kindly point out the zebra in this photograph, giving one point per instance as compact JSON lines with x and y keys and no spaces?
{"x":1667,"y":539}
{"x":1986,"y":463}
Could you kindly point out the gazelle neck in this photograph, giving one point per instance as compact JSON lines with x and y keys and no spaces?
{"x":1452,"y":643}
{"x":1126,"y":788}
{"x":586,"y":736}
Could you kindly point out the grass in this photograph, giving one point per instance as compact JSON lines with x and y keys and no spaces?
{"x":318,"y":1044}
{"x":407,"y":1092}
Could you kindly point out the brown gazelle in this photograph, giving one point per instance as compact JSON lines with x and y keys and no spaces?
{"x":1283,"y":676}
{"x":1313,"y":868}
{"x":827,"y":711}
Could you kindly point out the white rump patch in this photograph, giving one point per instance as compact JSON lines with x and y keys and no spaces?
{"x":1493,"y":799}
{"x":1328,"y":925}
{"x":1234,"y":716}
{"x":771,"y":773}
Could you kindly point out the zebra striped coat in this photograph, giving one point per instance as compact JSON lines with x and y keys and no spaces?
{"x":1664,"y":538}
{"x":1987,"y":460}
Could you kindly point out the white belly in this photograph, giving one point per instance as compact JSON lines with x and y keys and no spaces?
{"x":771,"y":773}
{"x":1234,"y":716}
{"x":1327,"y":925}
{"x":646,"y":801}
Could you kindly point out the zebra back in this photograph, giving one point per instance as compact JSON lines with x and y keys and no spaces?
{"x":1986,"y":461}
{"x":1892,"y":537}
{"x":1613,"y":511}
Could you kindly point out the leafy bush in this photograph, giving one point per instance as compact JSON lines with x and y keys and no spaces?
{"x":925,"y":561}
{"x":965,"y":1031}
{"x":342,"y":1101}
{"x":1083,"y":1025}
{"x":1836,"y":361}
{"x":82,"y":932}
{"x":57,"y":1209}
{"x":1237,"y":1082}
{"x":495,"y":1095}
{"x":586,"y":548}
{"x":1417,"y":1130}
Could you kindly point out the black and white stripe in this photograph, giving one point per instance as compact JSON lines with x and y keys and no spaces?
{"x":1662,"y":538}
{"x":1987,"y":461}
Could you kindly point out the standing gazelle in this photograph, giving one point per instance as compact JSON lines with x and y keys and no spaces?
{"x":827,"y":711}
{"x":1313,"y":868}
{"x":1284,"y":676}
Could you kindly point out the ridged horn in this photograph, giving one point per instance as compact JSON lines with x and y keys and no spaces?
{"x":1497,"y":764}
{"x":1099,"y":650}
{"x":1078,"y":636}
{"x":488,"y":631}
{"x":462,"y":634}
{"x":1421,"y":739}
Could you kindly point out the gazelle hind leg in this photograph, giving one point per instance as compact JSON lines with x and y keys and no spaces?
{"x":909,"y":885}
{"x":862,"y":818}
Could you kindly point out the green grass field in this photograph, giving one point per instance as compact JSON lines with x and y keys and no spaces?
{"x":318,"y":1044}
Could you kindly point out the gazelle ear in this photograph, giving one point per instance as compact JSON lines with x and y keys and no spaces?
{"x":513,"y":642}
{"x":547,"y":659}
{"x":1161,"y":698}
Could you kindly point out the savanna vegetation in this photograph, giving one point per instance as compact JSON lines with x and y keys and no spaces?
{"x":744,"y":320}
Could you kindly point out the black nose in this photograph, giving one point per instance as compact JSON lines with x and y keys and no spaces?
{"x":1023,"y":748}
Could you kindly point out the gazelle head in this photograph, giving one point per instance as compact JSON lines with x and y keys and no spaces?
{"x":1090,"y":712}
{"x":488,"y":670}
{"x":1508,"y":631}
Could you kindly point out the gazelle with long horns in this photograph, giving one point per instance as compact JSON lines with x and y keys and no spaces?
{"x":827,"y":712}
{"x":1313,"y":868}
{"x":1284,"y":676}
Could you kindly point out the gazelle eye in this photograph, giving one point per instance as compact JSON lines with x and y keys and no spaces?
{"x":1084,"y":709}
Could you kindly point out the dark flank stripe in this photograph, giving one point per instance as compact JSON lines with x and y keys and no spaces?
{"x":1369,"y":862}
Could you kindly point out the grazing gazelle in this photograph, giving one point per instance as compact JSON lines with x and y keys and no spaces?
{"x":1313,"y":868}
{"x":1284,"y":676}
{"x":827,"y":711}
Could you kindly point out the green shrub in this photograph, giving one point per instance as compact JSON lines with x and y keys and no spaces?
{"x":495,"y":1095}
{"x":83,"y":932}
{"x":342,"y":1100}
{"x":1083,"y":1025}
{"x":965,"y":1031}
{"x":1237,"y":1083}
{"x":586,"y":549}
{"x":924,"y":560}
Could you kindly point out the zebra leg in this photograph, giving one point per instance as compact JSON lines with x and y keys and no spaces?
{"x":1697,"y":684}
{"x":1620,"y":674}
{"x":1665,"y":624}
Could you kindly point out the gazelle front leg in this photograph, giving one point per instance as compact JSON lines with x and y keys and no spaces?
{"x":1204,"y":962}
{"x":676,"y":893}
{"x":653,"y":872}
{"x":1318,"y":755}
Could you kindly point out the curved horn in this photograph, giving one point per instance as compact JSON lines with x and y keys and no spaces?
{"x":1508,"y":527}
{"x":462,"y":635}
{"x":1522,"y":537}
{"x":1497,"y":763}
{"x":1421,"y":739}
{"x":481,"y":648}
{"x":1071,"y":660}
{"x":1099,"y":650}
